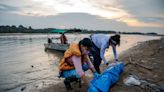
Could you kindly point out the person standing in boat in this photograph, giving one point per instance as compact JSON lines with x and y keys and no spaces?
{"x":75,"y":61}
{"x":100,"y":44}
{"x":63,"y":39}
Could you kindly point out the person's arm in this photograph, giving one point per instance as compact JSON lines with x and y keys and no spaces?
{"x":61,"y":39}
{"x":90,"y":65}
{"x":65,"y":38}
{"x":102,"y":52}
{"x":115,"y":53}
{"x":78,"y":67}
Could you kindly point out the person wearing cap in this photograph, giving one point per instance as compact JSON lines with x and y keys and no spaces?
{"x":75,"y":61}
{"x":100,"y":44}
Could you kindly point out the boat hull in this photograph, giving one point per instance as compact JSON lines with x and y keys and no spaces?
{"x":56,"y":46}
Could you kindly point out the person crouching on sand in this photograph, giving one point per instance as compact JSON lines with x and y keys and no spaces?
{"x":76,"y":61}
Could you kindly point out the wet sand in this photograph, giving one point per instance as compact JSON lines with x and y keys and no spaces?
{"x":144,"y":60}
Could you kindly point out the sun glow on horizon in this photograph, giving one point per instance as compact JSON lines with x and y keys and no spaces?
{"x":135,"y":23}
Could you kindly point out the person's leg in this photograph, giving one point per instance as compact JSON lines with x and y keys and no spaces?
{"x":96,"y":63}
{"x":67,"y":83}
{"x":70,"y":76}
{"x":96,"y":58}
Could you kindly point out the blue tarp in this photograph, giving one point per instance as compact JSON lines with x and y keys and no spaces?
{"x":109,"y":77}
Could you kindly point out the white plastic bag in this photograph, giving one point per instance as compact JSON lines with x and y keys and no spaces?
{"x":132,"y":80}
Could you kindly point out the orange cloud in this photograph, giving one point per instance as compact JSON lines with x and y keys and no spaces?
{"x":135,"y":23}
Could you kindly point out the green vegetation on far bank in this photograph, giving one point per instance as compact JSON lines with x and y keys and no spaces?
{"x":22,"y":29}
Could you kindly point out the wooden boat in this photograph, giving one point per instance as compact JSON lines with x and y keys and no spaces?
{"x":56,"y":46}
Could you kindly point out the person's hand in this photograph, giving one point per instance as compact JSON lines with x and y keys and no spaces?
{"x":96,"y":74}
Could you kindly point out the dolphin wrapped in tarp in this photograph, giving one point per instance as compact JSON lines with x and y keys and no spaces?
{"x":109,"y":77}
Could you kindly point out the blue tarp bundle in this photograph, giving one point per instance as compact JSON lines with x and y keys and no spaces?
{"x":109,"y":77}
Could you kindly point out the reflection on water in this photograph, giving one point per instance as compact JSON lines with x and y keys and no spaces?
{"x":25,"y":65}
{"x":54,"y":55}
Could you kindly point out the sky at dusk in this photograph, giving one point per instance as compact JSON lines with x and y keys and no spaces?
{"x":118,"y":15}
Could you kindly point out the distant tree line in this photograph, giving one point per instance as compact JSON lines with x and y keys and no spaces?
{"x":151,"y":33}
{"x":88,"y":31}
{"x":22,"y":29}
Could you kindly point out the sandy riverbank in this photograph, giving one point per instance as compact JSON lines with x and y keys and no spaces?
{"x":144,"y":60}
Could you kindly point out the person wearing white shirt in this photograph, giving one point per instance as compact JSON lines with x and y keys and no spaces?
{"x":100,"y":43}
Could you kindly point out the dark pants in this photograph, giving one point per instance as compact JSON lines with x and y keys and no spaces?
{"x":95,"y":52}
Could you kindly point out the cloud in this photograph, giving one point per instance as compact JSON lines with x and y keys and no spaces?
{"x":150,"y":19}
{"x":146,"y":13}
{"x":32,"y":9}
{"x":69,"y":20}
{"x":132,"y":12}
{"x":123,"y":13}
{"x":146,"y":8}
{"x":103,"y":8}
{"x":7,"y":8}
{"x":73,"y":20}
{"x":143,"y":8}
{"x":111,"y":5}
